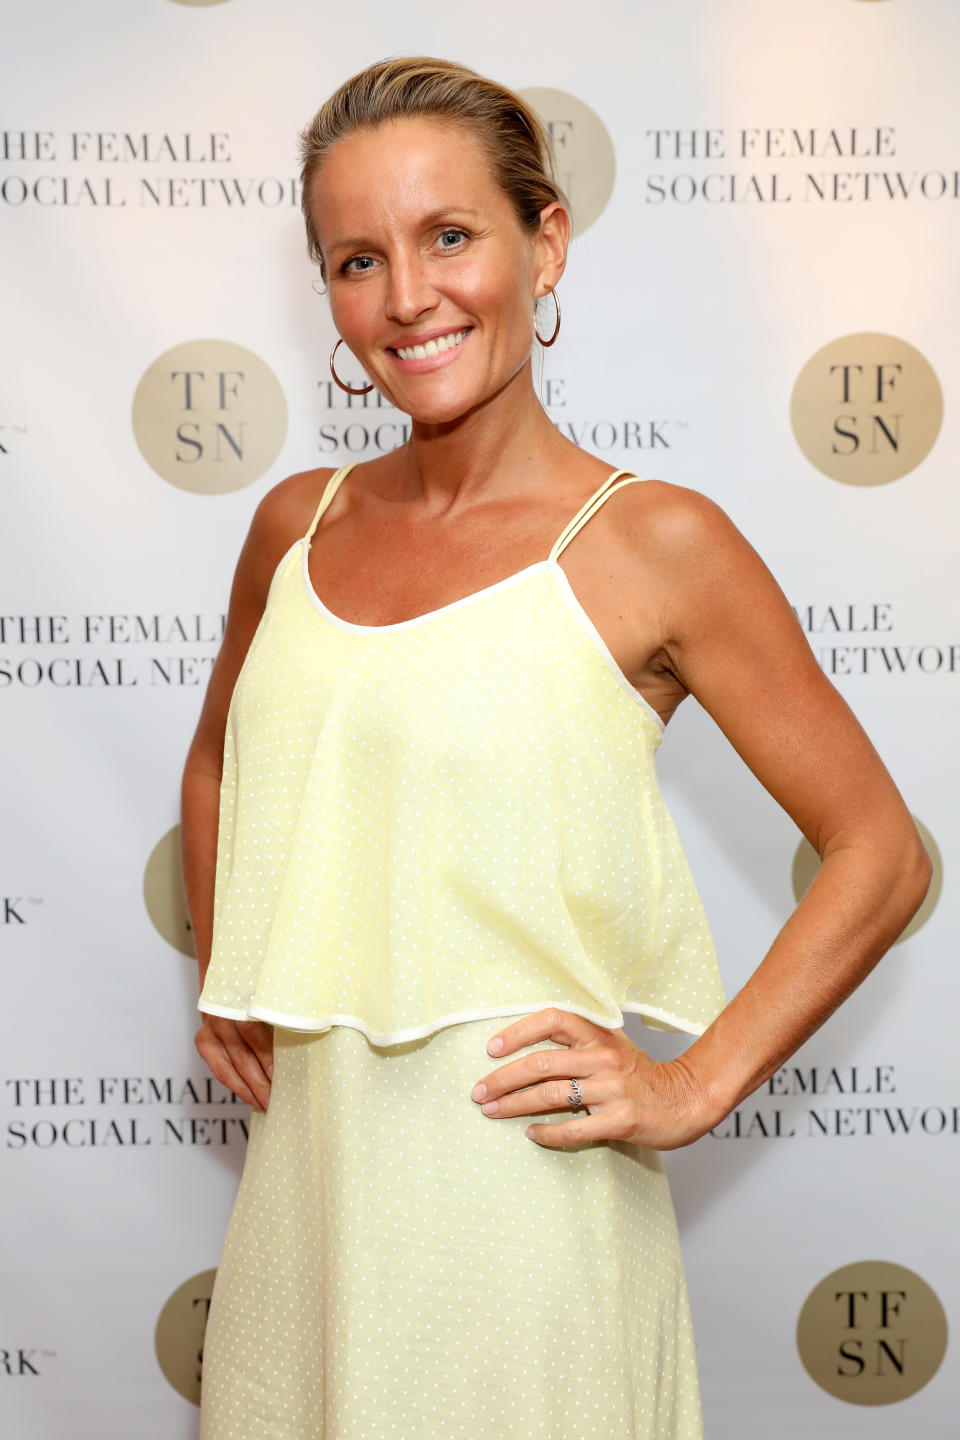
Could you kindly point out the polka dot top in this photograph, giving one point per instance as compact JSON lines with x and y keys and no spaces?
{"x":447,"y":818}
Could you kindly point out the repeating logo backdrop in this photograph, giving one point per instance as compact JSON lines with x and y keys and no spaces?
{"x":757,"y":304}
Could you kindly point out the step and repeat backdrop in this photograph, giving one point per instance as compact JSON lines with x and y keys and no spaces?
{"x":760,"y":303}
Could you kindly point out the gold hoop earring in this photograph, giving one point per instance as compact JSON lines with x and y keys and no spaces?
{"x":349,"y":388}
{"x":556,"y":328}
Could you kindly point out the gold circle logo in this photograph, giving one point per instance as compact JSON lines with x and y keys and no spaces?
{"x":872,"y":1333}
{"x":178,"y":1339}
{"x":164,"y":895}
{"x":209,"y":416}
{"x":586,"y":165}
{"x":866,"y":409}
{"x":806,"y":863}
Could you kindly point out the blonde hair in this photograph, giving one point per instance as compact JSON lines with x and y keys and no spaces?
{"x":514,"y":137}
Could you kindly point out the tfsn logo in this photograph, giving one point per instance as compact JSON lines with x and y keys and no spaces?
{"x":866,"y":409}
{"x":872,"y":1333}
{"x":209,"y":416}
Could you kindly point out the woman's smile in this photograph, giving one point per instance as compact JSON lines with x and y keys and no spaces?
{"x":431,"y":353}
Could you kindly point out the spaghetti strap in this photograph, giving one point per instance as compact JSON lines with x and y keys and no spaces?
{"x":329,"y":490}
{"x":589,"y":507}
{"x":586,"y":510}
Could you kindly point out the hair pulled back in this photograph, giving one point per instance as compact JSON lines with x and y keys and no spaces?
{"x":513,"y":136}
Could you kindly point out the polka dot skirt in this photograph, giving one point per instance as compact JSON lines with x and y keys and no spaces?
{"x":400,"y":1266}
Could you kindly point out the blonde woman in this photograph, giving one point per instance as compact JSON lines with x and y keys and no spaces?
{"x":428,"y":862}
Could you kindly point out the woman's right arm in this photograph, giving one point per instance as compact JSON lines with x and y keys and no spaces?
{"x":238,"y":1052}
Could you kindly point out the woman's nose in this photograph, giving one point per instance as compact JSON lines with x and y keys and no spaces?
{"x":409,"y":292}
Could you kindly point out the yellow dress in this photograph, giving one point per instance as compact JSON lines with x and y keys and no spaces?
{"x":425,"y":829}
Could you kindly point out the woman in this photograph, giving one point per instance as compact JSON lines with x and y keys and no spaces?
{"x":426,"y":853}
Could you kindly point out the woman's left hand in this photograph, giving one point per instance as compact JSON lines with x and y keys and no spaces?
{"x":628,"y":1096}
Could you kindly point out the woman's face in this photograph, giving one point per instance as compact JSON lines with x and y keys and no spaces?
{"x":422,"y":248}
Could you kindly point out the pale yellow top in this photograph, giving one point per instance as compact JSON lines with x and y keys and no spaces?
{"x":451,"y":817}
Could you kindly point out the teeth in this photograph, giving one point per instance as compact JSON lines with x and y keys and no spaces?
{"x":432,"y":347}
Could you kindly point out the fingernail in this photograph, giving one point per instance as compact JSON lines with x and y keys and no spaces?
{"x":495,"y":1046}
{"x":270,"y":1071}
{"x":478,"y":1092}
{"x":530,"y":1133}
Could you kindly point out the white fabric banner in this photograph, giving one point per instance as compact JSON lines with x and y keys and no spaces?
{"x":759,"y":305}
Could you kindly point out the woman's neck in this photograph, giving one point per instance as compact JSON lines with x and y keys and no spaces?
{"x":505,"y":444}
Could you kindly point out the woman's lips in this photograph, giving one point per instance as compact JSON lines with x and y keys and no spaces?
{"x":414,"y":364}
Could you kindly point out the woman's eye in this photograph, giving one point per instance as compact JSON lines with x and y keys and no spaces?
{"x":454,"y":236}
{"x":362,"y":262}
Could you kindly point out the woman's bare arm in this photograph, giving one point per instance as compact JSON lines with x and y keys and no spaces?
{"x":734,"y":643}
{"x":731,"y":639}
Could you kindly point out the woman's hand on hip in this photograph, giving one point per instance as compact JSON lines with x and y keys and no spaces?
{"x":240,"y":1054}
{"x":628,"y":1095}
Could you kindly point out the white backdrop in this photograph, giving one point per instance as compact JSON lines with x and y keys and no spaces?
{"x":785,"y":184}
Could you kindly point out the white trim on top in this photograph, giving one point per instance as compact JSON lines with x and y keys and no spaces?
{"x":312,"y":1024}
{"x":571,"y":596}
{"x":318,"y":604}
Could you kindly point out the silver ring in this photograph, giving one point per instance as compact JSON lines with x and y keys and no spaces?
{"x":576,"y":1097}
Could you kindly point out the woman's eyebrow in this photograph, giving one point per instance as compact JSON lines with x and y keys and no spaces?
{"x":444,"y":213}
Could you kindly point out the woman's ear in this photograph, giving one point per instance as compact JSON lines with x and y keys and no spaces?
{"x":551,"y":244}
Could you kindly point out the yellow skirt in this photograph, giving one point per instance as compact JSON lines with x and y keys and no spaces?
{"x":400,"y":1266}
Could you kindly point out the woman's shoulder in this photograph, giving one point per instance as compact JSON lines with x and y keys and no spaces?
{"x":289,"y":506}
{"x":701,"y":574}
{"x":677,"y":523}
{"x":295,"y":493}
{"x":281,"y":517}
{"x":284,"y":512}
